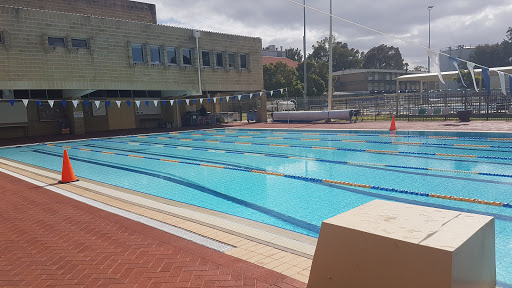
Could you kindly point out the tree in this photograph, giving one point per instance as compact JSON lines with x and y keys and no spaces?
{"x":280,"y":75}
{"x":494,"y":55}
{"x":318,"y":74}
{"x":468,"y":79}
{"x":383,"y":57}
{"x":343,"y":57}
{"x":294,"y":54}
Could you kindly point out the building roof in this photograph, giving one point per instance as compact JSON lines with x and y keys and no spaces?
{"x":355,"y":71}
{"x":273,"y":60}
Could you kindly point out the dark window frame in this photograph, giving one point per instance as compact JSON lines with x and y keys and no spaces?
{"x":231,"y":65}
{"x":169,"y":59}
{"x":53,"y":43}
{"x":79,"y":40}
{"x":151,"y":54}
{"x":190,"y":62}
{"x":141,"y":46}
{"x":209,"y":62}
{"x":243,"y":64}
{"x":221,"y":54}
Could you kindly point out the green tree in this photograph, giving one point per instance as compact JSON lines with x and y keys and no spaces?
{"x":280,"y":75}
{"x":343,"y":57}
{"x":468,"y":79}
{"x":383,"y":57}
{"x":494,"y":55}
{"x":294,"y":54}
{"x":318,"y":74}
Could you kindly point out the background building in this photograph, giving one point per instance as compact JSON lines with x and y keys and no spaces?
{"x":111,"y":50}
{"x":371,"y":81}
{"x":271,"y":55}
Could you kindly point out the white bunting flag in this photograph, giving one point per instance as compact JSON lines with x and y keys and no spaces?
{"x":250,"y":96}
{"x":171,"y":101}
{"x":261,"y":93}
{"x":471,"y":68}
{"x":281,"y":90}
{"x":51,"y":102}
{"x":137,"y":103}
{"x":271,"y":92}
{"x":188,"y":101}
{"x":25,"y":102}
{"x":97,"y":103}
{"x":239,"y":97}
{"x":155,"y":102}
{"x":118,"y":104}
{"x":434,"y":60}
{"x":502,"y":82}
{"x":201,"y":100}
{"x":227,"y":99}
{"x":75,"y":102}
{"x":214,"y":100}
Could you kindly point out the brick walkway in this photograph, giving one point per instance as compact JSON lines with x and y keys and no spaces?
{"x":49,"y":240}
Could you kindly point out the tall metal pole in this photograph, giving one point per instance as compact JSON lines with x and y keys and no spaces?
{"x":305,"y":69}
{"x":429,"y":8}
{"x":329,"y":92}
{"x":197,"y":33}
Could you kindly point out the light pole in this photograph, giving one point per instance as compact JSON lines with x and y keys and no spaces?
{"x":305,"y":69}
{"x":429,"y":8}
{"x":329,"y":92}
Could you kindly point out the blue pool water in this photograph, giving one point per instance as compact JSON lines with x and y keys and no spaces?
{"x":224,"y":170}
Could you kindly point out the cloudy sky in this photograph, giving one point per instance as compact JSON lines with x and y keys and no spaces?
{"x":280,"y":22}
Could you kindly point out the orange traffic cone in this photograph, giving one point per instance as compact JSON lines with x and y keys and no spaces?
{"x":67,"y":171}
{"x":393,"y":126}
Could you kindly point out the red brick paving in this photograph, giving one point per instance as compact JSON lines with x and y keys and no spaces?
{"x":49,"y":240}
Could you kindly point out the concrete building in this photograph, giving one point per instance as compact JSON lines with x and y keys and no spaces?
{"x":272,"y":55}
{"x":368,"y":81}
{"x":111,"y":50}
{"x":460,"y":51}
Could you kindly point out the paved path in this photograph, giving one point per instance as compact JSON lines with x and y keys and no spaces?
{"x":49,"y":240}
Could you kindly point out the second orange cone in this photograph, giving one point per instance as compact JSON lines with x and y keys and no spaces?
{"x":393,"y":126}
{"x":67,"y":171}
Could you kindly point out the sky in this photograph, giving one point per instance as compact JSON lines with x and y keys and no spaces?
{"x":281,"y":22}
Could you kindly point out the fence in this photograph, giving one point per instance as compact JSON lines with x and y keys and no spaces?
{"x":493,"y":106}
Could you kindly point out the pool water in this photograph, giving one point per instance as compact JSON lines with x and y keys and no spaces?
{"x":295,"y":179}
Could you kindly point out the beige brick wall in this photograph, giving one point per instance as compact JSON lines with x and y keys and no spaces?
{"x":118,"y":9}
{"x":29,"y":63}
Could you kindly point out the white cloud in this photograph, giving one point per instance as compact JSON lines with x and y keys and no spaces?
{"x":280,"y":22}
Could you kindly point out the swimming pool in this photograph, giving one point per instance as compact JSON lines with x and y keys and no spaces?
{"x":296,"y":179}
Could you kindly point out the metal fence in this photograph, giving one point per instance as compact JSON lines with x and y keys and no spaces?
{"x":493,"y":106}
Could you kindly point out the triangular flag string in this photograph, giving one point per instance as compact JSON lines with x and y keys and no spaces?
{"x":471,"y":68}
{"x":118,"y":104}
{"x":454,"y":62}
{"x":434,"y":59}
{"x":201,"y":100}
{"x":155,"y":102}
{"x":502,"y":82}
{"x":51,"y":102}
{"x":172,"y":102}
{"x":12,"y":102}
{"x":97,"y":103}
{"x":25,"y":102}
{"x":137,"y":103}
{"x":75,"y":103}
{"x":188,"y":101}
{"x":107,"y":103}
{"x":63,"y":102}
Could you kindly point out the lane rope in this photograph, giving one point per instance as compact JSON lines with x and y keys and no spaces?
{"x":302,"y":178}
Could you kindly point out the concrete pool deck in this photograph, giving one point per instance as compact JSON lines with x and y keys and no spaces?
{"x":52,"y":240}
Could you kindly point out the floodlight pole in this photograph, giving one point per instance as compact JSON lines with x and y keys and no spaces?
{"x":429,"y":8}
{"x":329,"y":92}
{"x":305,"y":69}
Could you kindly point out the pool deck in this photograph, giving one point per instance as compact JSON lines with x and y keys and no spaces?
{"x":51,"y":240}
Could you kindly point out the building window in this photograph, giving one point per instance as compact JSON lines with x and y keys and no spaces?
{"x":154,"y":53}
{"x":187,"y":56}
{"x":231,"y":60}
{"x":243,"y":61}
{"x":220,"y":59}
{"x":206,"y":58}
{"x":137,"y":53}
{"x":79,"y":43}
{"x":171,"y":56}
{"x":56,"y":41}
